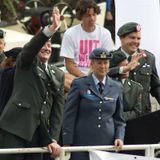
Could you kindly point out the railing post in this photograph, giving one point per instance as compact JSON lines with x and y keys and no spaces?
{"x":149,"y":151}
{"x":152,"y":151}
{"x":64,"y":155}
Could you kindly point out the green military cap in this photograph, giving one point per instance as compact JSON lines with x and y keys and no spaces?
{"x":100,"y":53}
{"x":128,"y":28}
{"x":2,"y":33}
{"x":118,"y":56}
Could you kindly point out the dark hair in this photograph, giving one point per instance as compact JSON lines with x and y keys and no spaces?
{"x":83,"y":5}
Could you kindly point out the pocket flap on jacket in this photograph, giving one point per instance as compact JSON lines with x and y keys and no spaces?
{"x":24,"y":105}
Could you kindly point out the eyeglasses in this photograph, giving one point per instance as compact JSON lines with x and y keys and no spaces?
{"x":2,"y":33}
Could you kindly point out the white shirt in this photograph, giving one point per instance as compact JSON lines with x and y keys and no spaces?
{"x":77,"y":44}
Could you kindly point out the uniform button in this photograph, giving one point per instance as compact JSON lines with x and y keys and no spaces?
{"x":49,"y":84}
{"x":58,"y":89}
{"x":99,"y":126}
{"x":100,"y":110}
{"x":100,"y":102}
{"x":44,"y":102}
{"x":19,"y":104}
{"x":134,"y":73}
{"x":42,"y":112}
{"x":39,"y":74}
{"x":99,"y":118}
{"x":147,"y":73}
{"x":46,"y":93}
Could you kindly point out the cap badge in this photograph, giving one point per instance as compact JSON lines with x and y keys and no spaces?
{"x":138,"y":28}
{"x":103,"y":55}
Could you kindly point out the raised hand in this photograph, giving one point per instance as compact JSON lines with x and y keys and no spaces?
{"x":55,"y":20}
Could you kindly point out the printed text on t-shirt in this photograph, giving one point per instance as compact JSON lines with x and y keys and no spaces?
{"x":86,"y":47}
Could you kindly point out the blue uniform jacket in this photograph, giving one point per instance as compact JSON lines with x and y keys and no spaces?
{"x":91,"y":118}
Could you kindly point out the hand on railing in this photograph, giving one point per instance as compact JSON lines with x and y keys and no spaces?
{"x":54,"y":148}
{"x":118,"y":143}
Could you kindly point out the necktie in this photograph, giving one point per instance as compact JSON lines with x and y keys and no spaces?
{"x":100,"y":87}
{"x":44,"y":66}
{"x":129,"y":58}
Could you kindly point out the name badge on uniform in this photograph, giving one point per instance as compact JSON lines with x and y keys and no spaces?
{"x":109,"y":98}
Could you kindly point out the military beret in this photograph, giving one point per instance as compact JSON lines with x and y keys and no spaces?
{"x":128,"y":28}
{"x":100,"y":53}
{"x":2,"y":33}
{"x":13,"y":52}
{"x":118,"y":56}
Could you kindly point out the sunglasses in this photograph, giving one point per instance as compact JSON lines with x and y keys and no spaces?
{"x":2,"y":33}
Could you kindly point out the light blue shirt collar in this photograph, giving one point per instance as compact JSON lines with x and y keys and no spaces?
{"x":96,"y":81}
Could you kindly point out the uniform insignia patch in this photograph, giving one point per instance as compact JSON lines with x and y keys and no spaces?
{"x":53,"y":71}
{"x":88,"y":91}
{"x":143,"y":54}
{"x":129,"y":83}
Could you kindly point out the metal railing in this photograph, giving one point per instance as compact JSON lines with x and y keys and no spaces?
{"x":65,"y":151}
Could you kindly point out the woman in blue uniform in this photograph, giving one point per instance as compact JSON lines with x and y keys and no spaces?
{"x":93,"y":110}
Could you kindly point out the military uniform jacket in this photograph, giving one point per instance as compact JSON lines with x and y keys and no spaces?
{"x":6,"y":86}
{"x":145,"y":74}
{"x":91,"y":118}
{"x":2,"y":57}
{"x":36,"y":96}
{"x":132,"y":99}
